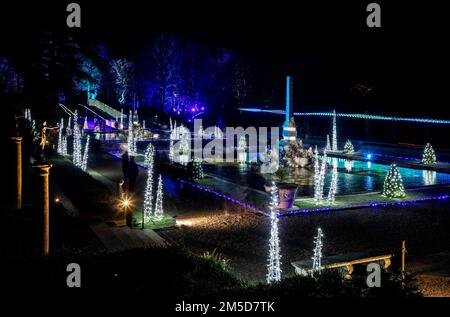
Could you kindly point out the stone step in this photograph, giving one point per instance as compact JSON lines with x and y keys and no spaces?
{"x":157,"y":240}
{"x":106,"y":236}
{"x":138,"y":242}
{"x":124,"y":237}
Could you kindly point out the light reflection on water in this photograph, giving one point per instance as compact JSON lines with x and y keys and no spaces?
{"x":353,"y":176}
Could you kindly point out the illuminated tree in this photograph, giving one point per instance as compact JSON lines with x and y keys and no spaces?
{"x":429,"y":156}
{"x":60,"y":137}
{"x":197,"y":169}
{"x":85,"y":155}
{"x":122,"y":71}
{"x":334,"y":180}
{"x":148,"y":194}
{"x":159,"y":211}
{"x":274,"y":265}
{"x":348,"y":148}
{"x":77,"y":159}
{"x":89,"y":78}
{"x":334,"y":145}
{"x":317,"y":258}
{"x":393,"y":184}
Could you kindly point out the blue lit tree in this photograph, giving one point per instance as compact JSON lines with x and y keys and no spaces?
{"x":122,"y":71}
{"x":89,"y":78}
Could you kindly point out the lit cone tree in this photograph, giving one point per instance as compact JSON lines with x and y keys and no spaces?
{"x":333,"y":186}
{"x":159,"y":200}
{"x":148,"y":194}
{"x":429,"y":156}
{"x":64,"y":145}
{"x":348,"y":147}
{"x":60,"y":137}
{"x":393,"y":184}
{"x":274,"y":265}
{"x":85,"y":155}
{"x":77,"y":159}
{"x":328,"y":147}
{"x":197,"y":169}
{"x":317,"y":258}
{"x":334,"y":145}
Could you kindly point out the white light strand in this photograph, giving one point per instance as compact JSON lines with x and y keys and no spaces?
{"x":317,"y":258}
{"x":334,"y":141}
{"x":159,"y":211}
{"x":76,"y":142}
{"x":148,"y":194}
{"x":85,"y":154}
{"x":60,"y":137}
{"x":274,"y":263}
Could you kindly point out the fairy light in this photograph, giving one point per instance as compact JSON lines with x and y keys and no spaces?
{"x":60,"y":137}
{"x":77,"y":160}
{"x":334,"y":140}
{"x":348,"y":147}
{"x":159,"y":211}
{"x":333,"y":186}
{"x":85,"y":154}
{"x":328,"y":147}
{"x":429,"y":156}
{"x":393,"y":184}
{"x":351,"y":116}
{"x":274,"y":265}
{"x":317,"y":258}
{"x":148,"y":194}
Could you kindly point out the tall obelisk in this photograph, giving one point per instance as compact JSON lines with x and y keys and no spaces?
{"x":289,"y":129}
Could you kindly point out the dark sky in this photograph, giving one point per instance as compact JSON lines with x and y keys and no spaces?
{"x":325,"y":44}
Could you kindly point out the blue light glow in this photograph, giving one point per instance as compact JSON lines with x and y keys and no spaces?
{"x":351,"y":116}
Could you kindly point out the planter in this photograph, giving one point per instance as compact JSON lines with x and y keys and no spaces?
{"x":286,"y":194}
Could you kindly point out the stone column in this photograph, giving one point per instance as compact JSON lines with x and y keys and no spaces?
{"x":18,"y":141}
{"x":42,"y":171}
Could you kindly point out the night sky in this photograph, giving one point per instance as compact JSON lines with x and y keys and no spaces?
{"x":325,"y":45}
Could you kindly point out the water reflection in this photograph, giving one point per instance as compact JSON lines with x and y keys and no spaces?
{"x":429,"y":177}
{"x":349,"y":165}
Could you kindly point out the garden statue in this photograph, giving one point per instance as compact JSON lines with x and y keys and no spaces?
{"x":42,"y":139}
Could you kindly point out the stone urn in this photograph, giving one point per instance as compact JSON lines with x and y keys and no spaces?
{"x":286,"y":194}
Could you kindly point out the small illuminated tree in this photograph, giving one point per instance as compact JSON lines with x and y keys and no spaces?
{"x":274,"y":265}
{"x":348,"y":147}
{"x":197,"y":169}
{"x":159,"y":211}
{"x":393,"y":184}
{"x":60,"y":137}
{"x":148,"y":194}
{"x":334,"y":145}
{"x":333,"y":185}
{"x":429,"y":156}
{"x":317,"y":258}
{"x":242,"y":155}
{"x":77,"y":159}
{"x":85,"y":155}
{"x":328,"y":147}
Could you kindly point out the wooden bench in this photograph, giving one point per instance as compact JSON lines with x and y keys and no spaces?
{"x":347,"y":262}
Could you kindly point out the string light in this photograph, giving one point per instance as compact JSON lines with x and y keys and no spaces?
{"x":429,"y":156}
{"x":85,"y":154}
{"x":60,"y":137}
{"x":351,"y":116}
{"x":393,"y":184}
{"x":148,"y":194}
{"x":334,"y":140}
{"x":64,"y":145}
{"x":348,"y":147}
{"x":76,"y":142}
{"x":197,"y":169}
{"x":159,"y":211}
{"x":333,"y":186}
{"x":317,"y":258}
{"x":274,"y":265}
{"x":242,"y":144}
{"x":328,"y":147}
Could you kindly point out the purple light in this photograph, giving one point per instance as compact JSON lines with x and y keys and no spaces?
{"x":368,"y":205}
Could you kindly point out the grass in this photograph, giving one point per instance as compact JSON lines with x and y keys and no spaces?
{"x":154,"y":223}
